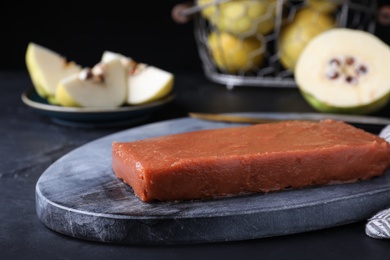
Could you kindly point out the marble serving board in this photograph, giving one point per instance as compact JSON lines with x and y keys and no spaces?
{"x":79,"y":196}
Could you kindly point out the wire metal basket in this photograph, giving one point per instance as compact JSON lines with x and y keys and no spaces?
{"x":271,"y":72}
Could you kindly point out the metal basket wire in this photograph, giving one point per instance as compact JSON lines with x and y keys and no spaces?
{"x":271,"y":73}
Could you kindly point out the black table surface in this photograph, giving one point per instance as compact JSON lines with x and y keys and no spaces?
{"x":31,"y":142}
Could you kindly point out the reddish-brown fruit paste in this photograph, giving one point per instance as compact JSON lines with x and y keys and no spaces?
{"x":249,"y":159}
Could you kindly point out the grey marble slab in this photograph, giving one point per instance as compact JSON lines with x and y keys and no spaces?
{"x":79,"y":196}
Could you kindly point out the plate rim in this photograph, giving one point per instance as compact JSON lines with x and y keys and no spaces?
{"x":25,"y":96}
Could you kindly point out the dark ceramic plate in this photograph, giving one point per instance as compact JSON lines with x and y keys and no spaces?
{"x":92,"y":117}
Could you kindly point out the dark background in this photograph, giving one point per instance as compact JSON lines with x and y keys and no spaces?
{"x":143,"y":30}
{"x":81,"y":31}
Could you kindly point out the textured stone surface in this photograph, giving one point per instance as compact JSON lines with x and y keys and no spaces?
{"x":80,"y":196}
{"x":31,"y":142}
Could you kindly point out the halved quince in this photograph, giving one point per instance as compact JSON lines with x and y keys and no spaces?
{"x":145,"y":83}
{"x":104,"y":85}
{"x":345,"y":71}
{"x":46,"y":68}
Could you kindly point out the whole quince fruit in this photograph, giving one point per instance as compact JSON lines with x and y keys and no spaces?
{"x":294,"y":36}
{"x":326,"y":6}
{"x":235,"y":55}
{"x":241,"y":17}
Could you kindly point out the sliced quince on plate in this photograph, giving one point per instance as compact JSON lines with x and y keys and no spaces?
{"x":146,"y":83}
{"x":46,"y":68}
{"x":104,"y":85}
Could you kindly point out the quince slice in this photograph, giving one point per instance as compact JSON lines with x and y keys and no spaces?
{"x":103,"y":86}
{"x":47,"y":68}
{"x":145,"y":83}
